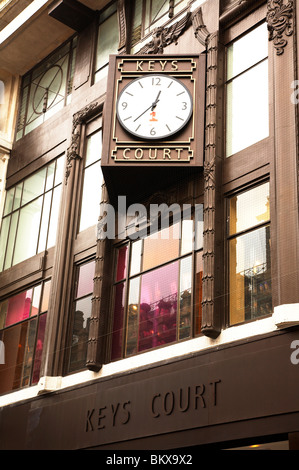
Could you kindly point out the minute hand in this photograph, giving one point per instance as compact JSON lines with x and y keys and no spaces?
{"x":152,"y":106}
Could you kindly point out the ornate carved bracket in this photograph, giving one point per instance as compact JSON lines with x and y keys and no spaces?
{"x":279,"y":19}
{"x":73,"y":150}
{"x":200,"y":30}
{"x":162,"y":37}
{"x":122,"y":24}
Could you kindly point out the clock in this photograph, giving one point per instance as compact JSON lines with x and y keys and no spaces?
{"x":154,"y":106}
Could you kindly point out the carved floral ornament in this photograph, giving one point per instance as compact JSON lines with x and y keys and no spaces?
{"x":279,"y":19}
{"x":163,"y":36}
{"x":73,"y":150}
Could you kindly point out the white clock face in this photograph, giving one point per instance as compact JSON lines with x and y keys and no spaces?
{"x":154,"y":106}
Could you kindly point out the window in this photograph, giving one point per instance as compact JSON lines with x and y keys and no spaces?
{"x":108,"y":40}
{"x":247,"y":112}
{"x":30,"y":215}
{"x":92,"y":182}
{"x":149,"y":14}
{"x":22,"y":325}
{"x":157,"y":289}
{"x":46,"y":89}
{"x":81,"y":315}
{"x":249,"y":255}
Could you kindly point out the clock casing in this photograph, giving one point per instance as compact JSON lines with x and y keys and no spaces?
{"x":140,"y":154}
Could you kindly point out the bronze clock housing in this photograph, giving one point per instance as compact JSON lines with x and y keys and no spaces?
{"x":153,"y":122}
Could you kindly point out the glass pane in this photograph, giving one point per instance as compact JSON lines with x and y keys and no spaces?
{"x":85,"y":281}
{"x":80,"y":333}
{"x":28,"y":353}
{"x":14,"y":341}
{"x":92,"y":191}
{"x":121,"y":263}
{"x":187,"y":236}
{"x":9,"y":201}
{"x":39,"y":348}
{"x":34,"y":186}
{"x":50,"y":176}
{"x":249,"y":209}
{"x":107,"y":41}
{"x":3,"y":239}
{"x":22,"y":111}
{"x":161,"y":247}
{"x":18,"y":195}
{"x":46,"y":296}
{"x":18,"y":308}
{"x":137,"y":20}
{"x":198,"y":292}
{"x":11,"y":240}
{"x":108,"y":11}
{"x":59,"y":170}
{"x":117,"y":333}
{"x":132,"y":317}
{"x":247,"y":51}
{"x":54,"y":216}
{"x":34,"y":124}
{"x":247,"y":109}
{"x":158,"y":307}
{"x":45,"y":222}
{"x":198,"y":226}
{"x":28,"y":229}
{"x":185,"y":304}
{"x":93,"y":148}
{"x":250,"y":276}
{"x":136,"y":252}
{"x":159,"y":8}
{"x":35,"y":300}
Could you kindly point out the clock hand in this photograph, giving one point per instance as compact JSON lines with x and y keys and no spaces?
{"x":143,"y":113}
{"x":152,"y":106}
{"x":156,"y":101}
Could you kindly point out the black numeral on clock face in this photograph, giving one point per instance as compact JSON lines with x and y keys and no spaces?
{"x":156,"y":81}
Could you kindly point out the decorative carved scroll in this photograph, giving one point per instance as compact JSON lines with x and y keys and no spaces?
{"x":279,"y":19}
{"x":200,"y":30}
{"x":162,"y":37}
{"x":122,"y":24}
{"x":73,"y":150}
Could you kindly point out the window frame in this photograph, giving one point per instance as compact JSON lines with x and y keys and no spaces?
{"x":71,"y":61}
{"x":236,"y":235}
{"x":230,"y":80}
{"x":99,"y":70}
{"x":18,"y":209}
{"x":73,"y":299}
{"x":152,"y":24}
{"x":254,"y":158}
{"x":91,"y":128}
{"x":126,"y":281}
{"x":41,"y":313}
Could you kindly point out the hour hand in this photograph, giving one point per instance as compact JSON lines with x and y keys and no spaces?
{"x":156,"y":101}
